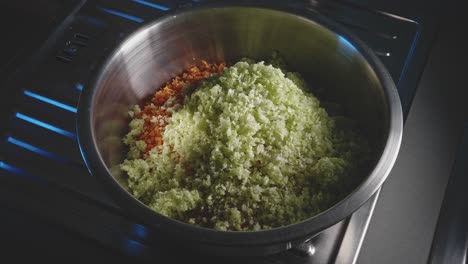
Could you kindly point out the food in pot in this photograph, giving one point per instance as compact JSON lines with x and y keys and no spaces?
{"x":240,"y":148}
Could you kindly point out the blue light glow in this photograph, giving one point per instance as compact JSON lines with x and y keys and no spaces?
{"x":50,"y":101}
{"x":12,"y":169}
{"x":20,"y":172}
{"x":344,"y":43}
{"x":133,"y":247}
{"x":34,"y":149}
{"x":79,"y":86}
{"x":93,"y":21}
{"x":139,"y":231}
{"x":407,"y":60}
{"x":45,"y":125}
{"x":120,"y":14}
{"x":83,"y":157}
{"x":153,"y":5}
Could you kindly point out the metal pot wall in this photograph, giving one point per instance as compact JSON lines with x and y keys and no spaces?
{"x":322,"y":51}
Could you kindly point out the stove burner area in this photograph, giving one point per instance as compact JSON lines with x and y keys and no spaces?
{"x":39,"y":150}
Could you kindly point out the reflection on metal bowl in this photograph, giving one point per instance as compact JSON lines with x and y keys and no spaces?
{"x":327,"y":55}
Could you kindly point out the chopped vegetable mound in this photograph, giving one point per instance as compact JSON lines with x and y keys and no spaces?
{"x":249,"y":149}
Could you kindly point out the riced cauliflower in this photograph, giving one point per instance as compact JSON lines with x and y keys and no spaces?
{"x":249,"y":149}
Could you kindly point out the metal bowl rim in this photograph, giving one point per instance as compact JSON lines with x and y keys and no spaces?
{"x":292,"y":232}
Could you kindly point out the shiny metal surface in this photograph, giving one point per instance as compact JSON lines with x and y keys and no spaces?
{"x":339,"y":65}
{"x":450,"y":243}
{"x":352,"y":240}
{"x":305,"y":249}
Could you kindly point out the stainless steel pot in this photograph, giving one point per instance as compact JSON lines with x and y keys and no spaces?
{"x":342,"y":66}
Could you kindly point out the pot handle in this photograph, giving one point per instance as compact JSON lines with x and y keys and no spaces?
{"x":304,"y":249}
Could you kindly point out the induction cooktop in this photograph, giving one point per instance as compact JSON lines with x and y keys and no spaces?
{"x":41,"y":168}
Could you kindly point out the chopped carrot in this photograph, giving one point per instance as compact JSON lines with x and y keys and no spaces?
{"x":156,"y":116}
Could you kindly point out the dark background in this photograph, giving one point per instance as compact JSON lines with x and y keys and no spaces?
{"x":403,"y":226}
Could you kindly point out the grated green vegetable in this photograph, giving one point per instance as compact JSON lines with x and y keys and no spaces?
{"x":250,"y":149}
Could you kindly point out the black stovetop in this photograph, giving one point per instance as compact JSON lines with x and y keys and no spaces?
{"x":41,"y":169}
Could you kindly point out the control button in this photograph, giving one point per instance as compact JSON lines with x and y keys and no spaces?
{"x":82,"y":38}
{"x":71,"y":48}
{"x":64,"y":58}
